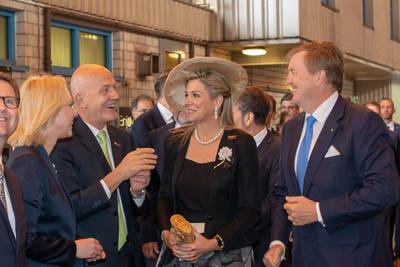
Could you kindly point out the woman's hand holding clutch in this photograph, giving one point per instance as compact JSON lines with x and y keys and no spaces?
{"x":193,"y":251}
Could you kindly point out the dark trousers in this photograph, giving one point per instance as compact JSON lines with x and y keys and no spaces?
{"x":259,"y":250}
{"x":125,"y":257}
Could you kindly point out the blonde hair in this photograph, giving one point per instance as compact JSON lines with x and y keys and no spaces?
{"x":42,"y":97}
{"x":216,"y":85}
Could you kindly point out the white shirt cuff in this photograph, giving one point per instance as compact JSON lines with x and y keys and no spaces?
{"x":279,"y":243}
{"x":106,"y":189}
{"x":139,"y":201}
{"x":320,"y":220}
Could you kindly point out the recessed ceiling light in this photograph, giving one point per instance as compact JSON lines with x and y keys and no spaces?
{"x":254,"y":51}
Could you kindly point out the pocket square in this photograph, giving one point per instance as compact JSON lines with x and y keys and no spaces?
{"x":332,"y":152}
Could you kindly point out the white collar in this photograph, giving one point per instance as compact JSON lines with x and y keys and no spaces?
{"x":165,"y":113}
{"x":323,"y":111}
{"x":94,"y":130}
{"x":259,"y":137}
{"x":390,"y":124}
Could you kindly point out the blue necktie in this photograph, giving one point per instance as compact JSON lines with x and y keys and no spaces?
{"x":304,"y":150}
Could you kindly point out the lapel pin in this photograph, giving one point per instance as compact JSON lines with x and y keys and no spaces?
{"x":118,"y":145}
{"x":331,"y":130}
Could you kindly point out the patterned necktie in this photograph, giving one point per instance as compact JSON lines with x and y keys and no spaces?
{"x":304,"y":151}
{"x":103,"y":141}
{"x":2,"y":190}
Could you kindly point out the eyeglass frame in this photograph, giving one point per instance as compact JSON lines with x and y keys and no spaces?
{"x":14,"y":98}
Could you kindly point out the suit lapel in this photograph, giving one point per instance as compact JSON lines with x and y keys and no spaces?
{"x":42,"y":154}
{"x":323,"y":142}
{"x":293,"y":144}
{"x":220,"y":171}
{"x":181,"y":154}
{"x":88,"y":140}
{"x":115,"y":146}
{"x":158,"y":118}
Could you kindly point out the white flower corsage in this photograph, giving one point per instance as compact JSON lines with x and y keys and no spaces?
{"x":225,"y":156}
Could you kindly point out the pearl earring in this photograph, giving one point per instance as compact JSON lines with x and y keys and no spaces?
{"x":216,"y":113}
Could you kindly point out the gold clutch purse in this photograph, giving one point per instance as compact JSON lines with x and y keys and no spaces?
{"x":182,"y":229}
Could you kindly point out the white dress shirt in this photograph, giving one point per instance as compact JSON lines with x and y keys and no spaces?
{"x":321,"y":115}
{"x":165,"y":113}
{"x":259,"y":137}
{"x":10,"y":210}
{"x":390,"y":126}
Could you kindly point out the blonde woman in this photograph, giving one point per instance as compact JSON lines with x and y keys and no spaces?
{"x":46,"y":115}
{"x":210,"y":173}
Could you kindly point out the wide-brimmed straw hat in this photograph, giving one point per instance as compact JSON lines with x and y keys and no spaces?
{"x":175,"y":85}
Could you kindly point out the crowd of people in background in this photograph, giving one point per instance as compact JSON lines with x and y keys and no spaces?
{"x":312,"y":183}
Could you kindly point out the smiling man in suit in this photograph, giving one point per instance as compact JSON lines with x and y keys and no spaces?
{"x":12,"y":223}
{"x":338,"y":174}
{"x":104,"y":178}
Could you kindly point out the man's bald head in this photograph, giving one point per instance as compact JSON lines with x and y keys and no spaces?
{"x":95,"y":95}
{"x":87,"y":76}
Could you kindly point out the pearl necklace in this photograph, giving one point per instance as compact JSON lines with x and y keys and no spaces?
{"x":196,"y":136}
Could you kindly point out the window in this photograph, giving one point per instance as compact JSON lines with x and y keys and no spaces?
{"x":368,"y":13}
{"x":72,"y":46}
{"x":394,"y":20}
{"x":172,"y":59}
{"x":7,"y":37}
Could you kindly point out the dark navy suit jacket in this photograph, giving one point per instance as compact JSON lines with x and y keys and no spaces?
{"x":48,"y":209}
{"x":148,"y":221}
{"x":12,"y":249}
{"x":81,"y":164}
{"x":143,"y":125}
{"x":397,"y":129}
{"x":268,"y":172}
{"x":353,"y":189}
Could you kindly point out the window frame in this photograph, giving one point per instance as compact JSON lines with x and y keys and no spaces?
{"x":10,"y":16}
{"x":75,"y":47}
{"x":394,"y":36}
{"x":364,"y":14}
{"x":330,"y":4}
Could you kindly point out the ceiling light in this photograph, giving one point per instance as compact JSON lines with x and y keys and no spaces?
{"x":254,"y":51}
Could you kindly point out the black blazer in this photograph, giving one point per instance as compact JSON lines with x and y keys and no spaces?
{"x":12,"y":249}
{"x":234,"y":202}
{"x":48,"y":209}
{"x":144,"y":124}
{"x":354,"y":188}
{"x":81,"y":165}
{"x":268,"y":162}
{"x":148,"y":222}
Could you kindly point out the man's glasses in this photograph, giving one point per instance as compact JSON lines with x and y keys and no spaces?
{"x":10,"y":101}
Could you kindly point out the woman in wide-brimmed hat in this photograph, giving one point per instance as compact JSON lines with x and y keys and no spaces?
{"x":210,"y":174}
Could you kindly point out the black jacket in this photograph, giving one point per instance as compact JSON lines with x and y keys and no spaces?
{"x":234,"y":201}
{"x":143,"y":125}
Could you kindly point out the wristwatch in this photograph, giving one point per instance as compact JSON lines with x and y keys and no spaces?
{"x":142,"y":193}
{"x":220,"y":242}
